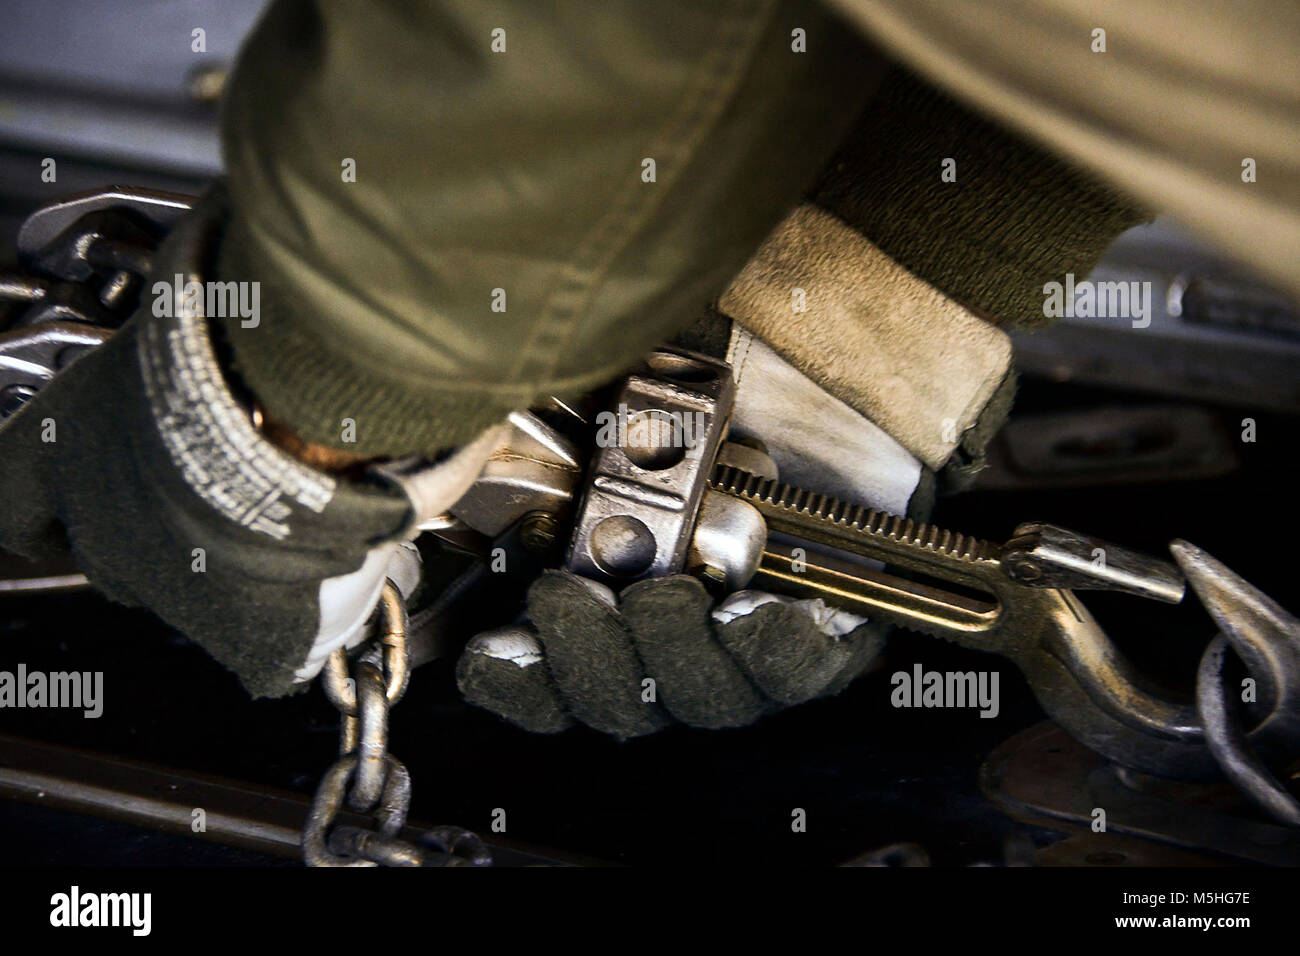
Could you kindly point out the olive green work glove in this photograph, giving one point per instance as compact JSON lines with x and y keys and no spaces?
{"x":139,"y":460}
{"x":660,"y":653}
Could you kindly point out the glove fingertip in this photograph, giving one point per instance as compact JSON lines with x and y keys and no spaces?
{"x":866,"y":644}
{"x":555,"y":590}
{"x":783,"y":652}
{"x":503,"y":671}
{"x":676,"y":591}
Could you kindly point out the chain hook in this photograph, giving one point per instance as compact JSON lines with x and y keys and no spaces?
{"x":1267,"y":639}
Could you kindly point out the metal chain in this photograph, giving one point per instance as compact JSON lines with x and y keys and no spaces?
{"x":1226,"y":739}
{"x":366,"y":776}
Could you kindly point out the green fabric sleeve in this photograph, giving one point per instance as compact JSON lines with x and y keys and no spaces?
{"x":504,"y":146}
{"x":1014,"y":218}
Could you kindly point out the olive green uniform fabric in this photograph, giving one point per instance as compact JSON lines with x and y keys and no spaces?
{"x":1180,"y":96}
{"x":522,"y":170}
{"x":1010,"y":218}
{"x":514,"y":177}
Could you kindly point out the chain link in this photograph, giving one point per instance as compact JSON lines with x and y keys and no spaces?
{"x":341,"y":690}
{"x":366,"y":776}
{"x":1226,"y":738}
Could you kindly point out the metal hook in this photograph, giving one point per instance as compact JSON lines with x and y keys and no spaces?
{"x":1267,"y":639}
{"x":1031,"y":617}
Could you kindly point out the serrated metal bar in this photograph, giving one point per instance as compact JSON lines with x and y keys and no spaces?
{"x":822,"y":520}
{"x":1077,"y":674}
{"x":831,"y":521}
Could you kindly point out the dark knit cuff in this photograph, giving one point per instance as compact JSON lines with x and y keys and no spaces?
{"x":1014,"y":218}
{"x":308,"y":383}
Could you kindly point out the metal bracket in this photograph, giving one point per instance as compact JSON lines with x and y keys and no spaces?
{"x":651,"y":467}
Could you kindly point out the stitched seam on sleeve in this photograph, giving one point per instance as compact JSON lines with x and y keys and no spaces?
{"x":702,"y":104}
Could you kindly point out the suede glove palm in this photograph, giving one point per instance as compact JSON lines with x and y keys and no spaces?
{"x":661,"y":653}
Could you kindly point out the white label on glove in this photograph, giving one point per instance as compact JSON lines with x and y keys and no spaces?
{"x":210,"y":439}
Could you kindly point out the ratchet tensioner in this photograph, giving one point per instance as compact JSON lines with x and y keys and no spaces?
{"x":665,"y":492}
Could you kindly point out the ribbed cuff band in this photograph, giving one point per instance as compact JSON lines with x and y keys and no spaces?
{"x":1014,"y":219}
{"x":304,"y":381}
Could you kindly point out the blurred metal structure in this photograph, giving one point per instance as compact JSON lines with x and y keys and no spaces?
{"x":81,"y":78}
{"x":1216,"y":333}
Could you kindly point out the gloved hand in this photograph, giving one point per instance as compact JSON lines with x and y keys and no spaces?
{"x":862,"y":358}
{"x":661,"y":652}
{"x":139,"y":459}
